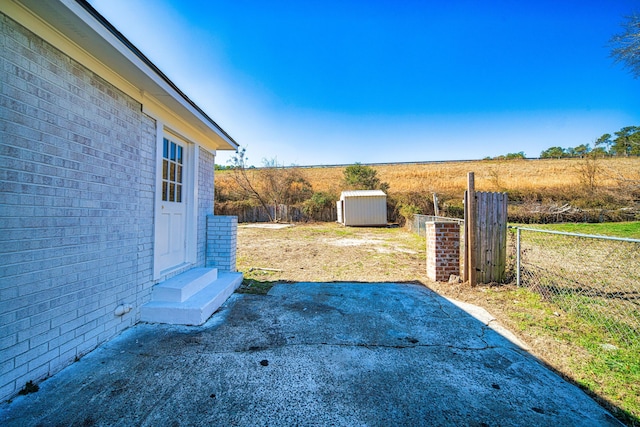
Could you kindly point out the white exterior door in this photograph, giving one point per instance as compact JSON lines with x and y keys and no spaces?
{"x":171,"y":213}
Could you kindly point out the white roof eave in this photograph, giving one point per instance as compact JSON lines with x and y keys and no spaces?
{"x":363,"y":193}
{"x":83,"y":27}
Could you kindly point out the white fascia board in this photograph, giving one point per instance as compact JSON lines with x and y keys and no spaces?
{"x":82,"y":28}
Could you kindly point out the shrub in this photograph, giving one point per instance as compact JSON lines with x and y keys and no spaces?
{"x":408,"y":211}
{"x":318,"y":202}
{"x":360,"y":177}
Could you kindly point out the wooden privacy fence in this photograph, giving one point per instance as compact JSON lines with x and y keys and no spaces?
{"x":283,"y":213}
{"x":486,"y":235}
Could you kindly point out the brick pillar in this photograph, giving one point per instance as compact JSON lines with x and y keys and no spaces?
{"x":222,"y":240}
{"x":443,"y":250}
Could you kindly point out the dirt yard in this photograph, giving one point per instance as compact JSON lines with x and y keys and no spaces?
{"x":329,"y":252}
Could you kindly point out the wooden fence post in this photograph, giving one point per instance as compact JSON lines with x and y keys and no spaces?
{"x":470,"y":225}
{"x":465,"y":239}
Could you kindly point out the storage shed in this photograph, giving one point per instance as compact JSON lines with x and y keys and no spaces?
{"x":362,"y":207}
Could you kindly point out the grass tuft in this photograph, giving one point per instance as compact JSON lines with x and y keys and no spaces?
{"x":28,"y":388}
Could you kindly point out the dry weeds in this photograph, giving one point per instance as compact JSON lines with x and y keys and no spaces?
{"x":539,"y":176}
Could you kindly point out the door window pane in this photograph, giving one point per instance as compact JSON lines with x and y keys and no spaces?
{"x":172,"y":164}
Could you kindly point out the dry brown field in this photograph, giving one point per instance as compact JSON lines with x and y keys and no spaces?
{"x":539,"y":190}
{"x":542,"y":176}
{"x":490,"y":175}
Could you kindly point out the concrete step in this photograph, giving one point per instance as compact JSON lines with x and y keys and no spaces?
{"x":196,"y":309}
{"x":181,"y":287}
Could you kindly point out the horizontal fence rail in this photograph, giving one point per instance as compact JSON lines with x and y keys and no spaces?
{"x":596,"y":278}
{"x":417,"y":225}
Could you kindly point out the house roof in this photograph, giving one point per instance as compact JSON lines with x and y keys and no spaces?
{"x":362,"y":193}
{"x":78,"y":21}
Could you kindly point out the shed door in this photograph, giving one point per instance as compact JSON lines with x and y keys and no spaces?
{"x":171,"y":227}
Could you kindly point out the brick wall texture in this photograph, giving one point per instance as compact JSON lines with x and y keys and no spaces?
{"x":205,"y":199}
{"x":222,"y":238}
{"x":443,"y":250}
{"x":77,"y":188}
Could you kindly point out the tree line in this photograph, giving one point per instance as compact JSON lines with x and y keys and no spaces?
{"x":625,"y":143}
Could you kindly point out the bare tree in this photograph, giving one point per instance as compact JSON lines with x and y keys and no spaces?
{"x":248,"y":184}
{"x":625,"y":47}
{"x":271,"y":185}
{"x":589,"y":171}
{"x":283,"y":186}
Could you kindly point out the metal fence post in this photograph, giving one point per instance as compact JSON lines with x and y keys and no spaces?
{"x":517,"y":256}
{"x":594,"y":277}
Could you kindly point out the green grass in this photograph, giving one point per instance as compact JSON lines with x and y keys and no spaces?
{"x":610,"y":374}
{"x":629,"y":230}
{"x":256,"y":287}
{"x":597,"y":348}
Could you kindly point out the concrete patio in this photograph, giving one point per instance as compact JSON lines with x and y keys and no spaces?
{"x":313,"y":354}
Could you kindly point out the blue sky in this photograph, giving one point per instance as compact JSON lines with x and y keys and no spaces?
{"x":338,"y":82}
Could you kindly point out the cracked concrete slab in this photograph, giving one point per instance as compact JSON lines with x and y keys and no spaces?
{"x":314,"y":354}
{"x":489,"y":321}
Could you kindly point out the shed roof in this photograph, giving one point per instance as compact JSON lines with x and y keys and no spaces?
{"x":362,"y":193}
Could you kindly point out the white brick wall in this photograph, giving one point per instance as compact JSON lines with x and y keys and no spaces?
{"x":222,"y":241}
{"x":205,"y":200}
{"x":146,"y":195}
{"x":77,"y":160}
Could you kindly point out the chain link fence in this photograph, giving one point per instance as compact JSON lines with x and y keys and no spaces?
{"x":417,"y":225}
{"x":596,"y":278}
